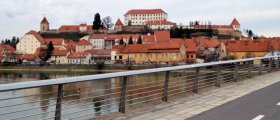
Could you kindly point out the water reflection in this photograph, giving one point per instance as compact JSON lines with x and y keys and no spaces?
{"x":88,"y":99}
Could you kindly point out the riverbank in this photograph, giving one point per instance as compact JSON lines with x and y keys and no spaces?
{"x":77,"y":68}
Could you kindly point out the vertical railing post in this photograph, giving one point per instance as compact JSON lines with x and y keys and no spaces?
{"x":249,"y":68}
{"x":277,"y":63}
{"x":218,"y":82}
{"x":235,"y":72}
{"x":261,"y":66}
{"x":196,"y":80}
{"x":165,"y":89}
{"x":269,"y":65}
{"x":123,"y":94}
{"x":58,"y":102}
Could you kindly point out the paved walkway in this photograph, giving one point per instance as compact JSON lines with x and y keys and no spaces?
{"x":189,"y":106}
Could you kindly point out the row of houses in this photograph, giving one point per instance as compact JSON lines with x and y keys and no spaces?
{"x":156,"y":48}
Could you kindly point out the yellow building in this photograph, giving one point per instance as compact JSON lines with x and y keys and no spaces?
{"x":59,"y":55}
{"x":83,"y":45}
{"x":246,"y":49}
{"x":29,"y":43}
{"x":166,"y":52}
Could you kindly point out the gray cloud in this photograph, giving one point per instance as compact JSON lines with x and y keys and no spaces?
{"x":19,"y":16}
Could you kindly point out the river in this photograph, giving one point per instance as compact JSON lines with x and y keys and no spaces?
{"x":87,"y":99}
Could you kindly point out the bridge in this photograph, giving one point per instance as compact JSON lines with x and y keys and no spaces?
{"x":231,"y":90}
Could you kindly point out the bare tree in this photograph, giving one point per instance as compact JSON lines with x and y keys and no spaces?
{"x":107,"y":22}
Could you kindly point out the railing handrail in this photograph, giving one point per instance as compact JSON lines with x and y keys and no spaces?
{"x":41,"y":83}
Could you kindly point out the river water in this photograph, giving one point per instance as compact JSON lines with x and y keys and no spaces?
{"x":42,"y":105}
{"x":85,"y":99}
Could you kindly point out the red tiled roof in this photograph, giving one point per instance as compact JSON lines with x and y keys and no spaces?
{"x":145,"y":38}
{"x":136,"y":48}
{"x":72,"y":27}
{"x":99,"y":36}
{"x":1,"y":57}
{"x":58,"y":52}
{"x":247,"y":46}
{"x":28,"y":57}
{"x":119,"y":22}
{"x":83,"y":24}
{"x":162,"y":36}
{"x":145,"y":11}
{"x":213,"y":26}
{"x":70,"y":46}
{"x":234,"y":22}
{"x":9,"y":48}
{"x":160,"y":22}
{"x":275,"y":44}
{"x":76,"y":55}
{"x":164,"y":47}
{"x":38,"y":50}
{"x":45,"y":20}
{"x":102,"y":53}
{"x":206,"y":42}
{"x":55,"y":41}
{"x":36,"y":35}
{"x":190,"y":44}
{"x":148,"y":38}
{"x":83,"y":42}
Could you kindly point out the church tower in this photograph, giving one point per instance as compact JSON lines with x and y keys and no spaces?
{"x":44,"y":25}
{"x":235,"y":24}
{"x":119,"y":25}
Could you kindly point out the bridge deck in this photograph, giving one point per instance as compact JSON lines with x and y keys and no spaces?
{"x":191,"y":105}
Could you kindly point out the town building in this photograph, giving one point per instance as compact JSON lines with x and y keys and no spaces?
{"x":158,"y":53}
{"x":7,"y":53}
{"x":83,"y":27}
{"x":274,"y":46}
{"x":83,"y":45}
{"x":119,"y":25}
{"x":141,"y":16}
{"x":59,"y":56}
{"x":44,"y":25}
{"x":160,"y":25}
{"x":79,"y":58}
{"x":29,"y":43}
{"x":231,"y":31}
{"x":246,"y":49}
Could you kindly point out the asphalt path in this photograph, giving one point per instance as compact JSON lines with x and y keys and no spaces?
{"x":263,"y":104}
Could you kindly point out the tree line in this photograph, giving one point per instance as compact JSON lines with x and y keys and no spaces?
{"x":181,"y":32}
{"x":130,"y":41}
{"x":13,"y":42}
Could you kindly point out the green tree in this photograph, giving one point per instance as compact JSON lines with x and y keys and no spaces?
{"x":97,"y":22}
{"x":129,"y":23}
{"x":121,"y":41}
{"x":49,"y":51}
{"x":130,"y":41}
{"x":13,"y":42}
{"x":139,"y":40}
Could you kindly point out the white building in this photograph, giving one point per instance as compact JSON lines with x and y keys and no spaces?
{"x":30,"y":42}
{"x":141,"y":16}
{"x":79,"y":58}
{"x":97,"y":40}
{"x":160,"y":24}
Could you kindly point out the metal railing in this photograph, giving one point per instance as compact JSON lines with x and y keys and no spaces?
{"x":87,"y":97}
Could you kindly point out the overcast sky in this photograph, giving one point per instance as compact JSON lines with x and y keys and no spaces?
{"x":19,"y":16}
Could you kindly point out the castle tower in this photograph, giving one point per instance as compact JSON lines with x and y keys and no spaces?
{"x":235,"y":24}
{"x":44,"y":25}
{"x":119,"y":25}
